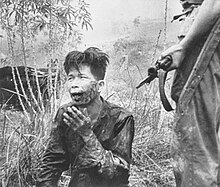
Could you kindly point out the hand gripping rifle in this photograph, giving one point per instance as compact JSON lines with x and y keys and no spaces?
{"x":158,"y":71}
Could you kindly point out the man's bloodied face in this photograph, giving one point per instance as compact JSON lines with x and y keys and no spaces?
{"x":82,"y":85}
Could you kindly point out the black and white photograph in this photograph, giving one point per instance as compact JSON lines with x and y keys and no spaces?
{"x":109,"y":93}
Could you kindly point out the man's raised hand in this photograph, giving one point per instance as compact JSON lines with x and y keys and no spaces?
{"x":75,"y":119}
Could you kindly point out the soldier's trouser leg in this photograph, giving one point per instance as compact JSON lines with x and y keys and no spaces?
{"x":196,"y":143}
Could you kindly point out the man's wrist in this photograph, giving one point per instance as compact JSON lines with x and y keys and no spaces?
{"x":85,"y":132}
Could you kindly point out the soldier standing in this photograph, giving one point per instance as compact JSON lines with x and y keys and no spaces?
{"x":196,"y":91}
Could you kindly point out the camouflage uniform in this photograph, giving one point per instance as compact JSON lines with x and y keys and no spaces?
{"x":196,"y":142}
{"x":102,"y":162}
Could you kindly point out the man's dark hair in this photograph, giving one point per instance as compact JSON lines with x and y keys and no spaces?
{"x":93,"y":57}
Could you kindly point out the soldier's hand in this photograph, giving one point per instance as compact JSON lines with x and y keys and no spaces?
{"x":177,"y":53}
{"x":75,"y":118}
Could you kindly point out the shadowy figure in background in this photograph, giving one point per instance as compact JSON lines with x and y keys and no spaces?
{"x":196,"y":91}
{"x":90,"y":135}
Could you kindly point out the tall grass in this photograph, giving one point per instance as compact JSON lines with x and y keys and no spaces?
{"x":151,"y":146}
{"x":23,"y":140}
{"x":151,"y":154}
{"x":24,"y":135}
{"x":22,"y":145}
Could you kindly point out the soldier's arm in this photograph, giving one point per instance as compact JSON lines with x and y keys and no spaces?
{"x":208,"y":14}
{"x":205,"y":19}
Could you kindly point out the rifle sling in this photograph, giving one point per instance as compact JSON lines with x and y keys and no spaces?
{"x":199,"y":68}
{"x":162,"y":78}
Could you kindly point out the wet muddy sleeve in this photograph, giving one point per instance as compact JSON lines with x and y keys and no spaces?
{"x":113,"y":162}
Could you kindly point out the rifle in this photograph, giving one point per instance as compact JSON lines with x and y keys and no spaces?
{"x":158,"y":71}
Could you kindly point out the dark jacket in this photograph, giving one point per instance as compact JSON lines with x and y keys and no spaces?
{"x":102,"y":162}
{"x":188,"y":3}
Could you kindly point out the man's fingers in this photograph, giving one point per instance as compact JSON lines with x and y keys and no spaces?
{"x":69,"y":124}
{"x":74,"y":113}
{"x":81,"y":115}
{"x":67,"y":117}
{"x":75,"y":118}
{"x":66,"y":121}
